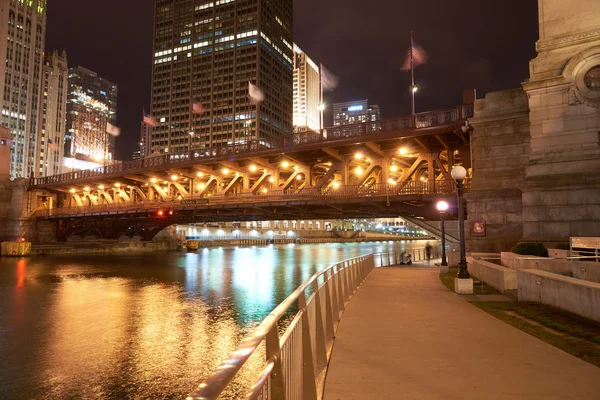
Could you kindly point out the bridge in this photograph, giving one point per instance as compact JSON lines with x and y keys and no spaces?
{"x":387,"y":168}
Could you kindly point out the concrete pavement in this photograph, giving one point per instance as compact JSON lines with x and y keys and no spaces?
{"x":406,"y":336}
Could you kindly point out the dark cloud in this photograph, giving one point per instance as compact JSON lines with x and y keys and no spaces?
{"x":471,"y":43}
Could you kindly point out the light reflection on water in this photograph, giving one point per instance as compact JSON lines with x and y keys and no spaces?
{"x":150,"y":326}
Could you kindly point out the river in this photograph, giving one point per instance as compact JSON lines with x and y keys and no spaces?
{"x":142,"y":326}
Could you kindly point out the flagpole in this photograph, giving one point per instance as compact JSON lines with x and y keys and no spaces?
{"x":321,"y":97}
{"x":412,"y":74}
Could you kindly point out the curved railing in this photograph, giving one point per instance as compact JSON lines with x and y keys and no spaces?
{"x":329,"y":135}
{"x":322,"y":194}
{"x":296,"y":361}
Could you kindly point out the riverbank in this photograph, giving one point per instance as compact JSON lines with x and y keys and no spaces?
{"x":139,"y":247}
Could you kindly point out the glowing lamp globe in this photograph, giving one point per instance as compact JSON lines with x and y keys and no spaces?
{"x":442,"y":206}
{"x":458,"y":173}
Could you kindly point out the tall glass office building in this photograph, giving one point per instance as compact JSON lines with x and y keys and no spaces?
{"x":208,"y":51}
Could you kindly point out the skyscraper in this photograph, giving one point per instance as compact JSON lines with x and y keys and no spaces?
{"x":355,"y":112}
{"x":91,"y":105}
{"x":53,"y":115}
{"x":208,"y":51}
{"x":23,"y":25}
{"x":307,"y":93}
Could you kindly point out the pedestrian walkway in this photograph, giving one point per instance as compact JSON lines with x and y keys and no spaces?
{"x":406,"y":336}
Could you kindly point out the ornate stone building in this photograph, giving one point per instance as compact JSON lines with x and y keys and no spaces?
{"x":536,"y":150}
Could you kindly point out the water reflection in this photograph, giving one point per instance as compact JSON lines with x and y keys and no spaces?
{"x":150,"y":326}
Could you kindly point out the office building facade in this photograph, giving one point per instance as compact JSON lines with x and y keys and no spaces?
{"x":355,"y":112}
{"x":53,"y":117}
{"x":22,"y":41}
{"x":208,"y":51}
{"x":91,"y":105}
{"x":307,"y":93}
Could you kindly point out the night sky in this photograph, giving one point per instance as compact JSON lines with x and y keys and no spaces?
{"x":471,"y":44}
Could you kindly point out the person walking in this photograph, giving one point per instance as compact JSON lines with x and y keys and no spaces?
{"x":428,"y":249}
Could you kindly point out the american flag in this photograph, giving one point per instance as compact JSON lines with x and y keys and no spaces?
{"x":418,"y":55}
{"x":112,"y":129}
{"x":328,"y":80}
{"x":150,"y":120}
{"x":52,"y":145}
{"x":197,"y":107}
{"x":256,"y":95}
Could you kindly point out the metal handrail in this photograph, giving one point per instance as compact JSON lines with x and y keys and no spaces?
{"x":388,"y":259}
{"x":344,"y":192}
{"x":328,"y":135}
{"x":325,"y":306}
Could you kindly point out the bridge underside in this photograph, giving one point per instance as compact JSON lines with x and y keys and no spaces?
{"x":147,"y":222}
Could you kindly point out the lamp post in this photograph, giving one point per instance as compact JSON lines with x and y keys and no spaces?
{"x":459,"y":173}
{"x":190,"y":142}
{"x":442,"y":207}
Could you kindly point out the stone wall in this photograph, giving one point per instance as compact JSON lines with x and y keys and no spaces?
{"x":570,"y":294}
{"x":14,"y":217}
{"x":561,"y":189}
{"x":497,"y":276}
{"x":500,"y":150}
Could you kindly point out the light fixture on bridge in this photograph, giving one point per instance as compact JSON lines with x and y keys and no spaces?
{"x":200,"y":174}
{"x":415,"y":89}
{"x":72,"y":190}
{"x":358,"y":155}
{"x":391,"y":181}
{"x":225,"y":171}
{"x":358,"y":171}
{"x":299,"y":177}
{"x":271,"y":179}
{"x":265,"y":190}
{"x":101,"y":187}
{"x":153,"y":180}
{"x":201,"y":186}
{"x":118,"y":185}
{"x":285,"y":164}
{"x":394,"y":168}
{"x":86,"y":189}
{"x":422,"y":179}
{"x":403,"y":151}
{"x":321,"y":107}
{"x":252,"y":168}
{"x":165,"y":182}
{"x":174,"y":177}
{"x":336,"y":185}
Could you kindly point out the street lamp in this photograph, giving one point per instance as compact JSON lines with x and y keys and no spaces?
{"x":442,"y":207}
{"x":190,"y":142}
{"x":459,"y":173}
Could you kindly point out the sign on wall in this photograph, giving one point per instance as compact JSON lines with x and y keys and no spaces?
{"x":478,"y":228}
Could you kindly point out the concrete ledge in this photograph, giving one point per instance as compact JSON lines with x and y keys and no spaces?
{"x":570,"y":294}
{"x":497,"y":276}
{"x":517,"y":262}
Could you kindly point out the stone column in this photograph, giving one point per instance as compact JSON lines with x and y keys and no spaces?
{"x":561,"y":189}
{"x":500,"y":148}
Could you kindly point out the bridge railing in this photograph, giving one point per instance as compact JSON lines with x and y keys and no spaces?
{"x":295,"y":361}
{"x":343,"y":192}
{"x":332,"y":134}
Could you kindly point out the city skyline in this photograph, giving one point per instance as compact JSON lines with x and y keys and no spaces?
{"x":457,"y":61}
